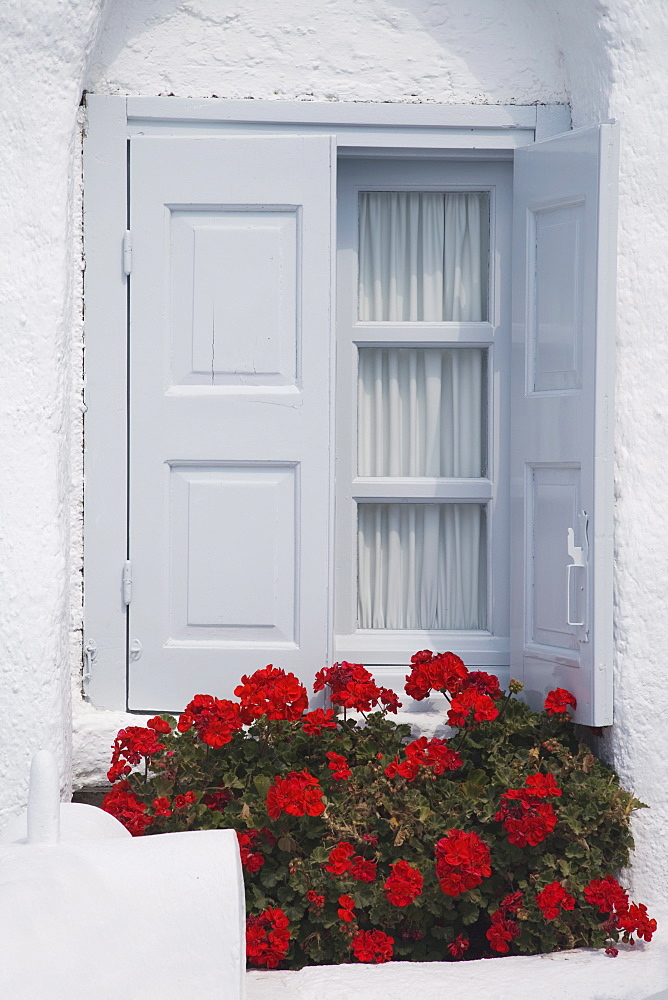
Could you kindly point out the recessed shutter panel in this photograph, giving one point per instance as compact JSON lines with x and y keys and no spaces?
{"x":562,"y":418}
{"x":229,"y":412}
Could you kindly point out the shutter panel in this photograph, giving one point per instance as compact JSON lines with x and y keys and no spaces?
{"x":564,"y":231}
{"x":229,"y":412}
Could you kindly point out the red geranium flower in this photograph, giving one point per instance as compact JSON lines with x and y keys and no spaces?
{"x":215,"y":720}
{"x":558,"y":701}
{"x":435,"y":672}
{"x":161,"y":806}
{"x":339,"y":765}
{"x":297,"y":794}
{"x":251,"y":859}
{"x":217,"y":800}
{"x":130,"y":746}
{"x":314,"y":722}
{"x":267,"y":938}
{"x":404,"y":884}
{"x":525,"y":818}
{"x":159,"y":725}
{"x":126,"y":807}
{"x":315,"y":898}
{"x":607,"y":894}
{"x":483,"y":683}
{"x":362,"y":870}
{"x":462,"y":862}
{"x":273,"y":693}
{"x":501,"y":932}
{"x":458,"y":946}
{"x":352,"y":686}
{"x":433,"y":754}
{"x":551,"y":898}
{"x":372,"y":946}
{"x":636,"y":921}
{"x":346,"y":909}
{"x":181,"y":801}
{"x":471,"y":706}
{"x":340,"y":858}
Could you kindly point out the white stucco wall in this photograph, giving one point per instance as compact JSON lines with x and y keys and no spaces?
{"x":607,"y":59}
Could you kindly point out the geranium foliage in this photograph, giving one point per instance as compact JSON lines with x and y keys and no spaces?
{"x":359,"y":843}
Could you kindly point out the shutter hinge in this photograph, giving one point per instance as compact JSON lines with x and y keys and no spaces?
{"x":127,"y":252}
{"x":127,"y":582}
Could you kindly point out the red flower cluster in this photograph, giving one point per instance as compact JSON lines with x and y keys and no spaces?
{"x":315,"y":898}
{"x":273,"y":693}
{"x":511,"y":903}
{"x":525,"y":818}
{"x":181,"y":801}
{"x":631,"y":918}
{"x":340,"y":858}
{"x":343,"y":861}
{"x":314,"y":722}
{"x":483,"y":683}
{"x":215,"y":719}
{"x":470,"y":706}
{"x":607,"y":894}
{"x":501,"y":932}
{"x":161,"y":806}
{"x":404,"y":884}
{"x":267,"y":938}
{"x":433,"y":754}
{"x":346,"y":909}
{"x":339,"y":765}
{"x":352,"y":686}
{"x":372,"y":946}
{"x":558,"y":701}
{"x":363,"y":870}
{"x":130,"y":746}
{"x":458,"y":946}
{"x":297,"y":794}
{"x":636,"y":921}
{"x":126,"y":807}
{"x":251,"y":859}
{"x":435,"y":672}
{"x":217,"y":800}
{"x":552,"y":898}
{"x":462,"y":862}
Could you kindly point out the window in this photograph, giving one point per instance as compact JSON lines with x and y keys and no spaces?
{"x":423,"y":366}
{"x":265,"y":484}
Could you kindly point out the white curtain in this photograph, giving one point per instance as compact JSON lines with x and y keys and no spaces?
{"x":421,"y":565}
{"x":423,"y":256}
{"x":420,"y":412}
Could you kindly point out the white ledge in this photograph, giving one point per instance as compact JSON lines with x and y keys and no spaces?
{"x":639,"y":973}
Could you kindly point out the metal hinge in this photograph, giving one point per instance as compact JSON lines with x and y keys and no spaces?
{"x":127,"y":582}
{"x":127,"y":251}
{"x":90,"y":653}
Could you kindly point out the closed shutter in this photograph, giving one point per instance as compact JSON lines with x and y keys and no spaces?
{"x":229,"y":368}
{"x":562,"y":418}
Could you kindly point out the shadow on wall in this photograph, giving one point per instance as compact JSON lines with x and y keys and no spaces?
{"x":489,"y":51}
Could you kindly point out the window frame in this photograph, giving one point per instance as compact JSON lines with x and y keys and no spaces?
{"x":493,"y":131}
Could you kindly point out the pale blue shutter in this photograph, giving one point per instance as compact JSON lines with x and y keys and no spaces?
{"x":562,"y":418}
{"x":229,"y":515}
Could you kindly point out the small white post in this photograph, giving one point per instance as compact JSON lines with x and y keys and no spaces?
{"x":44,"y":800}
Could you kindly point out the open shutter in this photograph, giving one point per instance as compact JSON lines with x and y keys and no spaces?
{"x":562,"y":418}
{"x":229,"y":470}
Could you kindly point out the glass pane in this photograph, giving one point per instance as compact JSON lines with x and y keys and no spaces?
{"x":422,"y":566}
{"x":423,"y":256}
{"x":420,"y":412}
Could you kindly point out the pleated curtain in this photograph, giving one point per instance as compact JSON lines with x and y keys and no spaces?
{"x":423,"y":257}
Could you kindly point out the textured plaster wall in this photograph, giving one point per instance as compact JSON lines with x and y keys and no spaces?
{"x":45,"y":46}
{"x":607,"y":59}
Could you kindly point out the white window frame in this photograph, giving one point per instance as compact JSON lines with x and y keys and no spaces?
{"x":420,"y":130}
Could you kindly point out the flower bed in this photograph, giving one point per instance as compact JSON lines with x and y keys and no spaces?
{"x":360,"y":845}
